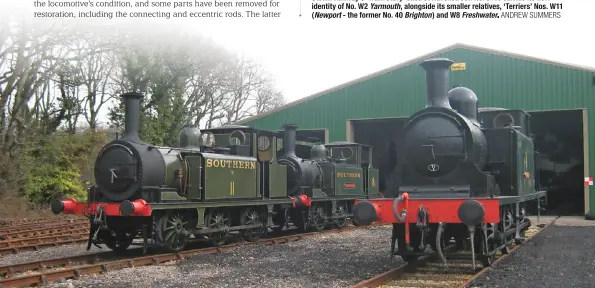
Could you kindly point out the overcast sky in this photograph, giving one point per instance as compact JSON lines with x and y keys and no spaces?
{"x":307,"y":56}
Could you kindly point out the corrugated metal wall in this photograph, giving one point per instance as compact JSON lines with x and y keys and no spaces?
{"x":498,"y":81}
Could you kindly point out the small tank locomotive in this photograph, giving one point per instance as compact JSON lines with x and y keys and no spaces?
{"x":464,"y":175}
{"x":221,"y":181}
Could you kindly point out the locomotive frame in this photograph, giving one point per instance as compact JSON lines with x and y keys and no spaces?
{"x":465,"y":174}
{"x":204,"y":190}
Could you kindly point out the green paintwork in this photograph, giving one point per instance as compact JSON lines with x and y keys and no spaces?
{"x":222,"y":139}
{"x":195,"y":205}
{"x":372,"y":182}
{"x":317,"y":193}
{"x":199,"y":181}
{"x":259,"y":192}
{"x":518,"y":156}
{"x":514,"y":148}
{"x":230,"y":176}
{"x":278,"y":180}
{"x":192,"y":205}
{"x":525,"y":163}
{"x":347,"y":175}
{"x":171,"y":196}
{"x":504,"y":200}
{"x":498,"y":81}
{"x":202,"y":206}
{"x":172,"y":164}
{"x":194,"y":181}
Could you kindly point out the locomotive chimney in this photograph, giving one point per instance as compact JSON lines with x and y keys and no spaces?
{"x":289,"y":139}
{"x":131,"y":116}
{"x":437,"y":81}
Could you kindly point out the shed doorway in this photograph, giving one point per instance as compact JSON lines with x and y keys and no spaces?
{"x":561,"y":139}
{"x":383,"y":135}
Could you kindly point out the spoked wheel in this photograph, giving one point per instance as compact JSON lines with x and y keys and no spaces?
{"x":506,"y":224}
{"x":174,"y":229}
{"x":218,"y":218}
{"x":118,"y":240}
{"x":523,"y":219}
{"x":341,"y":212}
{"x":250,"y":217}
{"x":317,"y":217}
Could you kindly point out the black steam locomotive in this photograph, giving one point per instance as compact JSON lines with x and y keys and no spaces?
{"x":460,"y":171}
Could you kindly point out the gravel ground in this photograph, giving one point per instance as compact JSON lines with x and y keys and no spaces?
{"x":557,"y":257}
{"x":331,"y":260}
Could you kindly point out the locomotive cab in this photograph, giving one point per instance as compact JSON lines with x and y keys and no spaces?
{"x":230,"y":140}
{"x":351,"y":169}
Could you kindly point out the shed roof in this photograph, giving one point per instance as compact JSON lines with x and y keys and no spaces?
{"x":413,"y":61}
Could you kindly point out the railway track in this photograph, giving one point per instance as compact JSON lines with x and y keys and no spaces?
{"x":34,"y":236}
{"x":47,"y":271}
{"x":429,"y":271}
{"x":15,"y":243}
{"x":40,"y":232}
{"x":50,"y":241}
{"x":8,"y":222}
{"x":40,"y":225}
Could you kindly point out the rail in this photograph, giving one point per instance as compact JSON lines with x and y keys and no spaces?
{"x":37,"y":225}
{"x":39,"y":232}
{"x":15,"y":243}
{"x":58,"y":241}
{"x":429,"y":270}
{"x":91,"y":267}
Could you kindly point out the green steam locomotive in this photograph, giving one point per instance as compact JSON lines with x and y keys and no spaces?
{"x":222,"y":181}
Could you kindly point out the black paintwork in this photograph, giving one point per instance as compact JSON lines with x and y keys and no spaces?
{"x":471,"y":213}
{"x":126,"y":164}
{"x":300,"y":172}
{"x":452,"y":149}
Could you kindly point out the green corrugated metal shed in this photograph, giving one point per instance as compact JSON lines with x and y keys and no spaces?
{"x":500,"y":79}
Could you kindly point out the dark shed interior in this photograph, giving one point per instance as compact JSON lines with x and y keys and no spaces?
{"x":383,"y":135}
{"x":559,"y":140}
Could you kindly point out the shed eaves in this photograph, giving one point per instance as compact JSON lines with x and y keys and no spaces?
{"x":413,"y":61}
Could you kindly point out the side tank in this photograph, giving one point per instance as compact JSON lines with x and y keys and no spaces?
{"x":177,"y":170}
